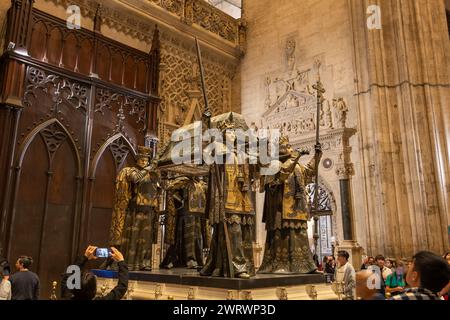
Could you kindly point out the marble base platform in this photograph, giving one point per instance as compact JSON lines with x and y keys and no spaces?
{"x":183,"y":284}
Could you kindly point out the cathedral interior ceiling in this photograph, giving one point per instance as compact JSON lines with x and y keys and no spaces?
{"x":179,"y":21}
{"x":221,"y":38}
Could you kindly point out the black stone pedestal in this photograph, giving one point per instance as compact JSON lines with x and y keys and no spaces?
{"x":189,"y":277}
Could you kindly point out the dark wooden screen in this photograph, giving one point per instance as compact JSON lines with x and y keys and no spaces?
{"x":74,"y":106}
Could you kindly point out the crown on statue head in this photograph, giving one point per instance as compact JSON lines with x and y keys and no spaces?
{"x":284,"y":140}
{"x":144,"y":152}
{"x":225,"y":125}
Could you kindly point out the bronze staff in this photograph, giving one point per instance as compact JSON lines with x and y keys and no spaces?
{"x":314,"y":208}
{"x":207,"y":114}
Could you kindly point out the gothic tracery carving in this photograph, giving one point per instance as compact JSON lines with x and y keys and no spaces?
{"x":179,"y":76}
{"x":324,"y":198}
{"x":60,"y":89}
{"x":112,"y":100}
{"x":119,"y":150}
{"x":53,"y":137}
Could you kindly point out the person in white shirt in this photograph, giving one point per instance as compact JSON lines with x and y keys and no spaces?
{"x":380,"y":262}
{"x":346,"y":273}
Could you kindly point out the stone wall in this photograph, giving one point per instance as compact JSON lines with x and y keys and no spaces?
{"x":285,"y":39}
{"x":395,"y":91}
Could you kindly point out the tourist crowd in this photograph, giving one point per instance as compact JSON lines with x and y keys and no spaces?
{"x":426,"y":276}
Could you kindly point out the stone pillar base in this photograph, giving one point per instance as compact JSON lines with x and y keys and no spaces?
{"x":354,"y":250}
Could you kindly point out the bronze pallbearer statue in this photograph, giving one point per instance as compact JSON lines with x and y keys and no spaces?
{"x":134,"y":225}
{"x":187,"y":231}
{"x":230,"y":210}
{"x":286,"y":211}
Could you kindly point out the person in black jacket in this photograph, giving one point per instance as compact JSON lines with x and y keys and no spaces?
{"x":88,"y":288}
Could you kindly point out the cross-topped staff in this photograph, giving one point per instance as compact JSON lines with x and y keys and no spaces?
{"x":215,"y":170}
{"x":318,"y":87}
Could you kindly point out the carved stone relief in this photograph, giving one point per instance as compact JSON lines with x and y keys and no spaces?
{"x":290,"y":54}
{"x":290,"y":105}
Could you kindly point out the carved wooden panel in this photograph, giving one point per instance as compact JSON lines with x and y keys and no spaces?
{"x":53,"y":144}
{"x":74,"y":50}
{"x":65,"y":135}
{"x":45,"y":203}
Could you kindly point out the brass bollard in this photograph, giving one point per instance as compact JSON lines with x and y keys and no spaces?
{"x":53,"y":294}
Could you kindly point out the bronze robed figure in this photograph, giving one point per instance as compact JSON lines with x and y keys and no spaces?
{"x":286,"y":211}
{"x":134,"y":225}
{"x":231,"y":213}
{"x":186,"y":228}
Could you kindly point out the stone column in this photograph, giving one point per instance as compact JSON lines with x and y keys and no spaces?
{"x":349,"y":243}
{"x":402,"y":81}
{"x":347,"y":225}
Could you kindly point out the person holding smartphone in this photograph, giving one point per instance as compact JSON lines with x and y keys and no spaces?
{"x":88,"y":283}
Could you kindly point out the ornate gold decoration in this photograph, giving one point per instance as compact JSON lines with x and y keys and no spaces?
{"x":311,"y":291}
{"x":247,"y":295}
{"x":338,"y":289}
{"x":158,"y":291}
{"x":191,"y":293}
{"x":282,"y":294}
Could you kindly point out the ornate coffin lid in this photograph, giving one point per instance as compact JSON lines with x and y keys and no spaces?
{"x":165,"y":162}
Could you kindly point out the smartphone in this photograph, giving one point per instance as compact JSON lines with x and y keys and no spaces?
{"x":103,"y":252}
